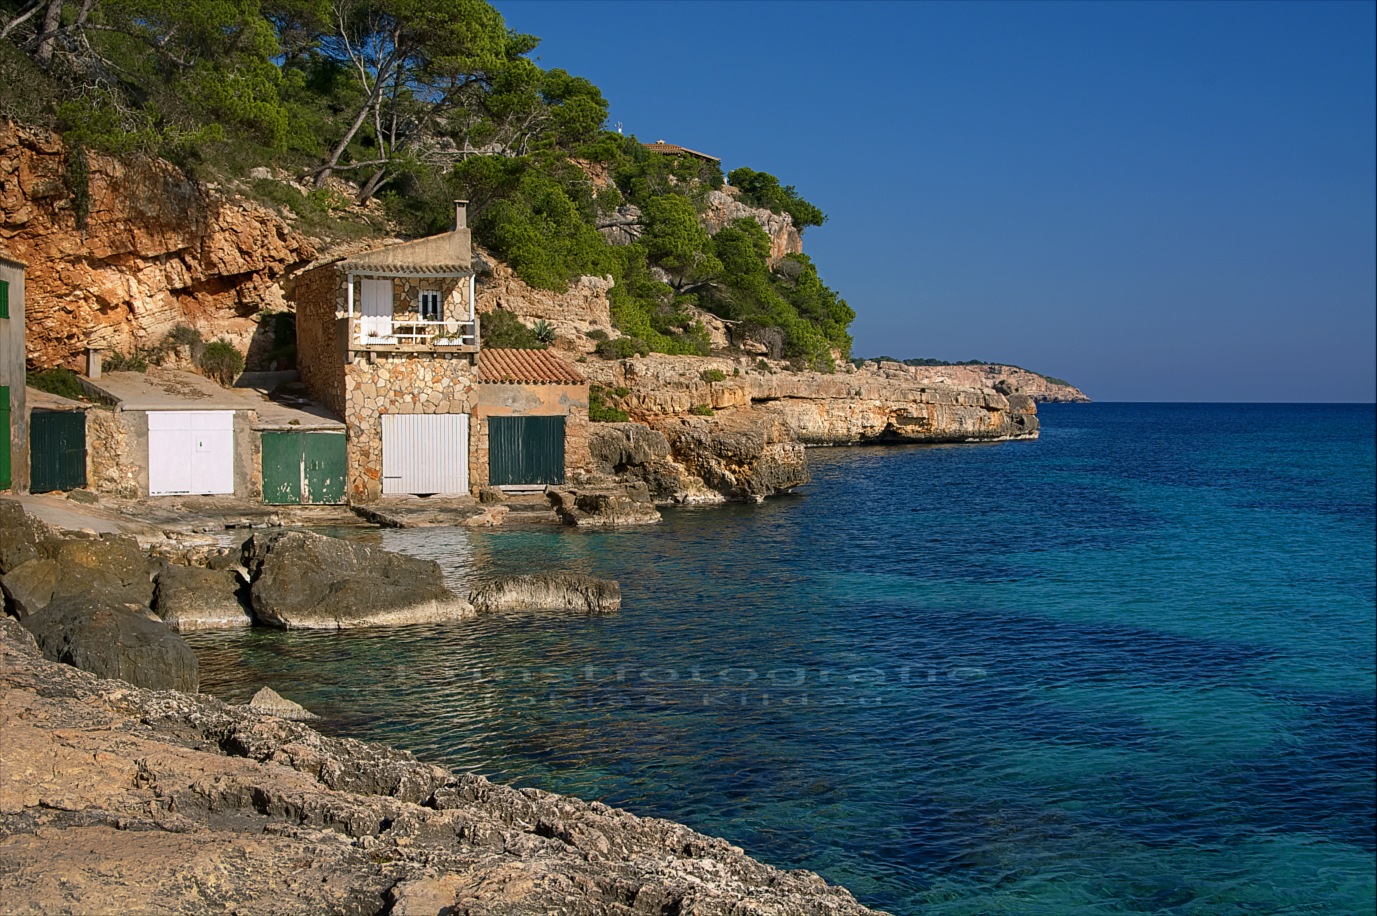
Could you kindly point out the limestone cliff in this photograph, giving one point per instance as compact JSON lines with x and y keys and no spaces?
{"x":1038,"y":387}
{"x":156,"y":249}
{"x":724,"y":206}
{"x":818,"y":409}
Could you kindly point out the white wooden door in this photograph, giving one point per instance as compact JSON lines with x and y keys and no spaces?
{"x":425,"y":454}
{"x":190,"y":451}
{"x":375,"y":298}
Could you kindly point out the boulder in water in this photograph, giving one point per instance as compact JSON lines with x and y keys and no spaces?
{"x":308,"y":581}
{"x":569,"y":591}
{"x":192,"y":598}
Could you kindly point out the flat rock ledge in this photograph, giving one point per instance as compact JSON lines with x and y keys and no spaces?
{"x":117,"y":799}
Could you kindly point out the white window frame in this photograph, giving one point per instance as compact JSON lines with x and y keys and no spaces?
{"x":431,"y":305}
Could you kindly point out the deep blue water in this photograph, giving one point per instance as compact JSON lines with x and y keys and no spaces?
{"x":1126,"y":668}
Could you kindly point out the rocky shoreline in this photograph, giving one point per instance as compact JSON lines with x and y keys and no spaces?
{"x":116,"y":799}
{"x":121,"y":799}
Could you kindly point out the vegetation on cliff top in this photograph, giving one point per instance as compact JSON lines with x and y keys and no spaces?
{"x":419,"y":102}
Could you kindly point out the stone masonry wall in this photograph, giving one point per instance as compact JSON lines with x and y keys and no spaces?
{"x":399,"y":383}
{"x":316,"y":295}
{"x":108,"y":470}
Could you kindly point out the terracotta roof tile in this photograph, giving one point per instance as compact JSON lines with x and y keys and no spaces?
{"x":674,"y":149}
{"x":499,"y":365}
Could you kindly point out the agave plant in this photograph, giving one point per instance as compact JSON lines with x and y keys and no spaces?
{"x":543,"y":331}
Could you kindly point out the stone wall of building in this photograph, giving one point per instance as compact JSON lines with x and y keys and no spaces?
{"x":316,"y":294}
{"x":110,"y":466}
{"x":399,"y":383}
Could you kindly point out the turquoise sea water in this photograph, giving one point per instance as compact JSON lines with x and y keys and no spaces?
{"x":1126,"y":668}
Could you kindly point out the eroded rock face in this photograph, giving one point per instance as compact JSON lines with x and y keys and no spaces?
{"x":29,"y":586}
{"x":723,"y":207}
{"x":138,"y":801}
{"x":745,"y":455}
{"x":820,"y":409}
{"x":95,"y":632}
{"x":157,"y":250}
{"x":566,"y":591}
{"x":111,"y":563}
{"x":307,"y":581}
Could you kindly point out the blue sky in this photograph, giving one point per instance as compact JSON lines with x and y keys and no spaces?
{"x":1156,"y":201}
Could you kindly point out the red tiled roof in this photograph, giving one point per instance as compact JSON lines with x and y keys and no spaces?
{"x":498,"y":365}
{"x":674,"y":149}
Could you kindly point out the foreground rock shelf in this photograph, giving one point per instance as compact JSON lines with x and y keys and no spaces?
{"x":115,"y":799}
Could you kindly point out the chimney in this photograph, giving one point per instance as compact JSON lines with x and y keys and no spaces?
{"x":461,"y":214}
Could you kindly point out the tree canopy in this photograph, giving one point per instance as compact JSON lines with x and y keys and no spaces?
{"x":417,"y":103}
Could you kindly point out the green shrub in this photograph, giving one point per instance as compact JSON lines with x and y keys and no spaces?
{"x":762,"y":365}
{"x":714,"y":375}
{"x":622,"y":348}
{"x":222,"y":362}
{"x":597,"y":334}
{"x":61,"y":382}
{"x":621,"y":391}
{"x":702,"y":410}
{"x":136,"y":361}
{"x":184,"y":336}
{"x":501,"y":328}
{"x":600,"y":412}
{"x":736,"y":372}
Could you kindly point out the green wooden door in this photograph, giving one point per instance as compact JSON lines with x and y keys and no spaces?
{"x":282,"y":469}
{"x":303,"y":468}
{"x":323,"y":465}
{"x":9,"y":436}
{"x":525,"y":450}
{"x":57,"y":450}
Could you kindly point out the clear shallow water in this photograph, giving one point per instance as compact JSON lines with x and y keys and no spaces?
{"x":1126,"y":668}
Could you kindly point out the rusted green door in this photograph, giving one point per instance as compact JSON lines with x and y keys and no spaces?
{"x":323,"y":468}
{"x":303,"y":468}
{"x":57,"y":450}
{"x":525,"y":450}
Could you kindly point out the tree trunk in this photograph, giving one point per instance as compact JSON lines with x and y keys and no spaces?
{"x":51,"y":20}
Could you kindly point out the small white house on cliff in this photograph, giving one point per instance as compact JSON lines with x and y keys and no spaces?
{"x":389,"y":341}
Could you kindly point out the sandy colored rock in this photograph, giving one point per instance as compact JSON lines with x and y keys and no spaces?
{"x":269,"y":701}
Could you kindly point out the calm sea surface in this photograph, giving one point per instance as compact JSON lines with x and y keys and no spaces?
{"x":1126,"y":668}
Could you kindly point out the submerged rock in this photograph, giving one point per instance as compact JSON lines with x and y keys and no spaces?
{"x":308,"y":581}
{"x":568,"y":591}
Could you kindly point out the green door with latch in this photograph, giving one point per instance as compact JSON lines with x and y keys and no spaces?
{"x":525,"y":450}
{"x":57,"y":450}
{"x":303,"y":468}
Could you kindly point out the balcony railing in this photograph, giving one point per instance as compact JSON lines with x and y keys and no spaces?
{"x":407,"y":332}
